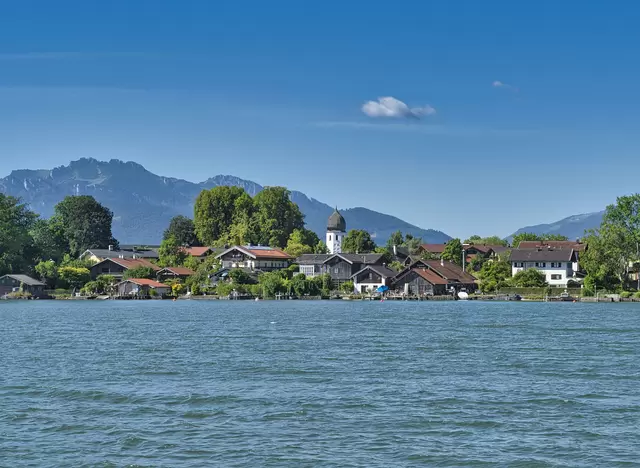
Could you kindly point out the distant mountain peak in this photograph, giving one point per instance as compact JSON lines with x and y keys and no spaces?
{"x":143,"y":202}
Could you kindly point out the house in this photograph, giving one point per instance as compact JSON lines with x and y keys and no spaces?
{"x":371,"y":277}
{"x":11,"y":283}
{"x":434,"y":250}
{"x":340,"y":266}
{"x":142,"y":287}
{"x":559,"y":265}
{"x":254,"y":258}
{"x":200,"y":253}
{"x":117,"y":266}
{"x":97,"y":255}
{"x":168,"y":273}
{"x":433,"y":278}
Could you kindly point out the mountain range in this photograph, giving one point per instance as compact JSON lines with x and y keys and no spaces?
{"x":573,"y":226}
{"x":143,"y":202}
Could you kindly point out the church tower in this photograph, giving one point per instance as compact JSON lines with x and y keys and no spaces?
{"x":336,"y":230}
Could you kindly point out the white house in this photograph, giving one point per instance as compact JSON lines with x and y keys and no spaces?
{"x":371,"y":277}
{"x":558,"y":265}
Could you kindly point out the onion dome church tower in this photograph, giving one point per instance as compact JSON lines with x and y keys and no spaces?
{"x":336,"y":230}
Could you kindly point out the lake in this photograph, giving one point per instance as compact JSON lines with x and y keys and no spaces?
{"x":295,"y":383}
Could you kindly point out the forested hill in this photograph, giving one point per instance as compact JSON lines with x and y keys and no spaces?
{"x":143,"y":202}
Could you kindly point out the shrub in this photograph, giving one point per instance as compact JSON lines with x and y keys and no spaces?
{"x":153,"y":292}
{"x":347,"y":287}
{"x":625,"y":294}
{"x":637,"y":295}
{"x":195,"y":289}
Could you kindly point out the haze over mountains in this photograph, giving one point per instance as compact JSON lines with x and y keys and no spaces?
{"x":143,"y":202}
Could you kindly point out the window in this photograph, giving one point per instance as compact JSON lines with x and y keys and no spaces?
{"x":537,"y":264}
{"x":336,"y":270}
{"x":329,"y":237}
{"x":105,"y":270}
{"x":556,"y":277}
{"x":543,"y":265}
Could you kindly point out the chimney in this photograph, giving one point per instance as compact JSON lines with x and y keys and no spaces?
{"x":395,"y":249}
{"x":441,"y":261}
{"x":110,"y":248}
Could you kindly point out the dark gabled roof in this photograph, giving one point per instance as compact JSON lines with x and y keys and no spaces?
{"x":450,"y":271}
{"x":564,"y":245}
{"x":106,"y":253}
{"x":179,"y":271}
{"x":128,"y":263}
{"x":312,"y":259}
{"x":367,"y":259}
{"x":258,"y":252}
{"x":382,"y":270}
{"x":28,"y":280}
{"x":544,"y":254}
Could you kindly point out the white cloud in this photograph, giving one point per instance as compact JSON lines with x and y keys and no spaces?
{"x":394,"y":108}
{"x":501,"y":84}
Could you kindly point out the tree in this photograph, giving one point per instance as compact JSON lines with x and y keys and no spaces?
{"x":347,"y":287}
{"x":16,"y":248}
{"x":387,"y":257}
{"x":529,"y":236}
{"x":301,"y":241}
{"x":453,"y":252}
{"x":272,"y":284}
{"x":75,"y":277}
{"x":214,"y":213}
{"x":358,"y":241}
{"x":182,"y":230}
{"x":171,"y":253}
{"x":48,"y":272}
{"x":300,"y":285}
{"x":275,"y":216}
{"x":139,"y":272}
{"x":623,"y":220}
{"x":239,"y":276}
{"x":395,"y":239}
{"x":491,"y":240}
{"x":530,"y":278}
{"x":321,"y":248}
{"x":49,"y":240}
{"x":85,"y":223}
{"x":412,"y":243}
{"x":494,"y":275}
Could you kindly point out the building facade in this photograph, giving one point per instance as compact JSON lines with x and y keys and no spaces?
{"x":559,"y":266}
{"x":254,"y":258}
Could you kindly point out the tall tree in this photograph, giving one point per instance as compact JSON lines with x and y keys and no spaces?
{"x":182,"y":230}
{"x":171,"y":253}
{"x":490,"y":240}
{"x":16,"y":247}
{"x":529,"y":236}
{"x":85,"y":222}
{"x":412,"y":243}
{"x":214,"y":213}
{"x":358,"y":241}
{"x":453,"y":252}
{"x":301,"y":241}
{"x":49,"y":239}
{"x":275,"y":216}
{"x":395,"y":239}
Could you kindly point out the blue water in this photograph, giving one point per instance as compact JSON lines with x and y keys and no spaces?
{"x":294,"y":383}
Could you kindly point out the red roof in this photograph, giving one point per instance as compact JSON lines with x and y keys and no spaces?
{"x":147,"y":282}
{"x":434,"y":248}
{"x":197,"y":251}
{"x":130,"y":263}
{"x":430,"y":276}
{"x":180,"y":271}
{"x":268,"y":253}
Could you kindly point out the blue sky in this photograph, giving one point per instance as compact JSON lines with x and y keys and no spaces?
{"x":274,"y":92}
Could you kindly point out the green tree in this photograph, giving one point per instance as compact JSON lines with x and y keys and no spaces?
{"x":214,"y":212}
{"x":85,"y":223}
{"x":387,"y":257}
{"x":139,"y":272}
{"x":494,"y":275}
{"x":239,"y":276}
{"x":182,"y":230}
{"x":529,"y":236}
{"x":48,"y":272}
{"x":530,"y":278}
{"x":272,"y":284}
{"x":395,"y":239}
{"x":301,"y":241}
{"x":73,"y":276}
{"x":275,"y":216}
{"x":358,"y":241}
{"x":171,"y":253}
{"x":320,"y":248}
{"x":49,"y":240}
{"x":412,"y":243}
{"x":347,"y":287}
{"x":92,"y":287}
{"x":453,"y":252}
{"x":16,"y":246}
{"x":106,"y":283}
{"x":300,"y":285}
{"x":490,"y":240}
